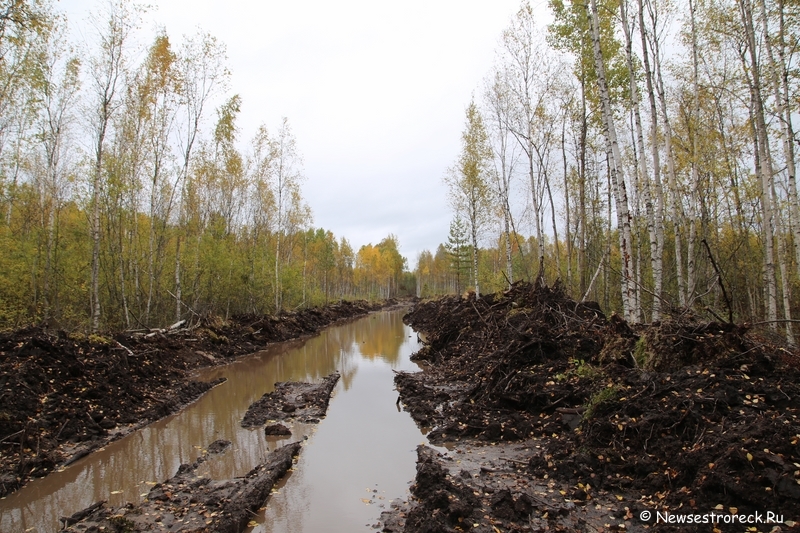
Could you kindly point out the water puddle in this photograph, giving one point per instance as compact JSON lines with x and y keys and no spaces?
{"x":356,"y":460}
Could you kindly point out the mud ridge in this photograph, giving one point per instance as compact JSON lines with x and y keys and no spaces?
{"x":188,"y":502}
{"x":292,"y":400}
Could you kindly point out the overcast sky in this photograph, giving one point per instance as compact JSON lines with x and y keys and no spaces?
{"x":374,"y":91}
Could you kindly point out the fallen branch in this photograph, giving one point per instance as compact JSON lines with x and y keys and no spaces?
{"x":130,"y":352}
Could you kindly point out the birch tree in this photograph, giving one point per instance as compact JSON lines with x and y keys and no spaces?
{"x":468,"y":181}
{"x":202,"y":75}
{"x":291,"y":212}
{"x":56,"y":90}
{"x":764,"y":160}
{"x":498,"y":101}
{"x":616,"y":172}
{"x":530,"y":78}
{"x":107,"y":73}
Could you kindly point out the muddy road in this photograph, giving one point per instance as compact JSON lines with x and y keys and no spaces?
{"x":63,"y":395}
{"x":363,"y":426}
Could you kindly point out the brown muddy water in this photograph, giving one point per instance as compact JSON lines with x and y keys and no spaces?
{"x":354,"y":463}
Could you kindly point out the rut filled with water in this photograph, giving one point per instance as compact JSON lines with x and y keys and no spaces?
{"x":354,"y":463}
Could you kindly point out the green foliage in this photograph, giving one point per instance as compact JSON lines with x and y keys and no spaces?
{"x":600,"y":398}
{"x":571,"y":32}
{"x":98,"y":340}
{"x":580,"y":369}
{"x":459,"y":253}
{"x":640,"y":351}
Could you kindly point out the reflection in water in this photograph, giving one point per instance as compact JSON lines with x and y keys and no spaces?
{"x":363,"y":440}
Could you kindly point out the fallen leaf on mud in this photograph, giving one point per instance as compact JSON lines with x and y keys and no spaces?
{"x":620,"y":498}
{"x":749,"y":456}
{"x":252,"y":523}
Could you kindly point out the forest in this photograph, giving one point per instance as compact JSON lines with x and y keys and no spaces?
{"x":641,"y":152}
{"x":125,"y":199}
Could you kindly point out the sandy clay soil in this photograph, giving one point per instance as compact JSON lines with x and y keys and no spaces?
{"x":546,"y":415}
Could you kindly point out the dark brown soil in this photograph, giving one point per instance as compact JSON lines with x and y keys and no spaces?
{"x":63,"y":395}
{"x":277,"y":430}
{"x":291,"y":400}
{"x":188,"y":502}
{"x":681,"y":416}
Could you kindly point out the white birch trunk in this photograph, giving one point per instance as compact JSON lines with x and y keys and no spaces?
{"x":765,"y":167}
{"x":658,"y":204}
{"x":675,"y":207}
{"x":644,"y":174}
{"x":615,"y":167}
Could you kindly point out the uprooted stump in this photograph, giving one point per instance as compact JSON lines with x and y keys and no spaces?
{"x":188,"y":502}
{"x":292,"y":400}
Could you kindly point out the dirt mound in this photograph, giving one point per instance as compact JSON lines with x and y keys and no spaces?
{"x":489,"y":353}
{"x":441,"y":499}
{"x":58,"y":389}
{"x":63,"y":395}
{"x":677,"y":415}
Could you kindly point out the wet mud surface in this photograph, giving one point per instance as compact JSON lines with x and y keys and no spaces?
{"x":64,"y":395}
{"x":190,"y":502}
{"x":558,"y":418}
{"x":291,"y":400}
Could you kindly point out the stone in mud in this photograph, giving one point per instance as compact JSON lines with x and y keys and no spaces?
{"x":218,"y":446}
{"x":291,"y":400}
{"x":188,"y":502}
{"x":277,"y":430}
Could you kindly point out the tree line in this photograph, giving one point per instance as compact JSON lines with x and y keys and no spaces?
{"x":121,"y":208}
{"x":647,"y":149}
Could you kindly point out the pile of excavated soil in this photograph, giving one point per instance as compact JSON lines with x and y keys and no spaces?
{"x":63,"y":395}
{"x":681,"y":416}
